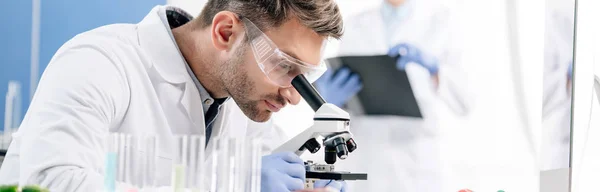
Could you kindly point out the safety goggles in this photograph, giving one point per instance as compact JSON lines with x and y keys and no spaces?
{"x":278,"y":66}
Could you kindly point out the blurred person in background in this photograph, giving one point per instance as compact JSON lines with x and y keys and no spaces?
{"x":558,"y":72}
{"x":399,"y":153}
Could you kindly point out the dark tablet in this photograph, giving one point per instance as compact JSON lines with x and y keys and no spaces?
{"x":386,"y":90}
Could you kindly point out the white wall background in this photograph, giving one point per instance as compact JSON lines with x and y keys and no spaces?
{"x":497,"y":147}
{"x":586,"y":110}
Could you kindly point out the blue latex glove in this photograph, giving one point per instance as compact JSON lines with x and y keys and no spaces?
{"x":409,"y":53}
{"x":336,"y":185}
{"x":282,"y":172}
{"x":339,"y":88}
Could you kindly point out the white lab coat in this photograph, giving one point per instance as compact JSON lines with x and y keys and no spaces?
{"x":398,"y":153}
{"x":556,"y":106}
{"x":127,"y":78}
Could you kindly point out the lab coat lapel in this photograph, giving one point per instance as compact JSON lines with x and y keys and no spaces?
{"x":167,"y":61}
{"x":192,"y":105}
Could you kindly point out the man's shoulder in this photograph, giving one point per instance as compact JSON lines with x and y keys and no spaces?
{"x":115,"y":45}
{"x":109,"y":38}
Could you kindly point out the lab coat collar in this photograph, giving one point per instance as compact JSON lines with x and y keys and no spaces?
{"x":155,"y":40}
{"x":391,"y":14}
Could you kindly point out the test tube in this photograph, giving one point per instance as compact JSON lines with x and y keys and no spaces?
{"x":8,"y":112}
{"x":138,"y":160}
{"x":128,"y":158}
{"x":232,"y":167}
{"x":238,"y":168}
{"x":132,"y":161}
{"x":248,"y":155}
{"x":241,"y":162}
{"x":214,"y":158}
{"x":191,"y":161}
{"x":179,"y":163}
{"x":16,"y":105}
{"x":12,"y":112}
{"x":223,"y":164}
{"x":121,"y":154}
{"x":149,"y":177}
{"x":111,"y":162}
{"x":196,"y":168}
{"x":256,"y":164}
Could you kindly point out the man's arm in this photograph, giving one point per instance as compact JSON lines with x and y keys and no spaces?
{"x":81,"y":94}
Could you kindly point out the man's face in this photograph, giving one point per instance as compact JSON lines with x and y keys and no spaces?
{"x":256,"y":95}
{"x":396,"y":3}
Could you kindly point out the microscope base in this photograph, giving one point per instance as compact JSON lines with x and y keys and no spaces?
{"x":335,"y":176}
{"x":312,"y":177}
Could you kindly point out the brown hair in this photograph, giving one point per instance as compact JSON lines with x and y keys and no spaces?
{"x":322,"y":16}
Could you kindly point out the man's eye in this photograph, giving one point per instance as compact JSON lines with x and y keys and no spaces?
{"x":285,"y":66}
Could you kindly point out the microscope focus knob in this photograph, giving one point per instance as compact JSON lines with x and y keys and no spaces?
{"x":351,"y":145}
{"x":312,"y":145}
{"x":340,"y":148}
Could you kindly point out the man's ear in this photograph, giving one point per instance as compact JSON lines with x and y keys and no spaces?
{"x":225,"y":30}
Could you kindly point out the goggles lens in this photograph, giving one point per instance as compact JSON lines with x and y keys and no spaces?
{"x":278,"y":66}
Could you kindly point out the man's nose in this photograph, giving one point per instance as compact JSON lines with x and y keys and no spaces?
{"x":290,"y":95}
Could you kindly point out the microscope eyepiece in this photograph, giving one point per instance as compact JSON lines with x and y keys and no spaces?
{"x":308,"y":92}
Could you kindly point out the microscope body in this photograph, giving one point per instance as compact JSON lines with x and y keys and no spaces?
{"x":331,"y":127}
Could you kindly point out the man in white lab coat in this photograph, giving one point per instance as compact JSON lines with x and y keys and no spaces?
{"x":171,"y":74}
{"x":398,"y":153}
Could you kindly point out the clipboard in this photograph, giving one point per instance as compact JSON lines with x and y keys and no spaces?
{"x":386,"y":89}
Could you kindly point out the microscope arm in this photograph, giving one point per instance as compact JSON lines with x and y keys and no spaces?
{"x":332,"y":126}
{"x":330,"y":122}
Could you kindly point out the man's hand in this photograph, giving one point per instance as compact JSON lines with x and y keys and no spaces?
{"x":411,"y":54}
{"x":340,"y":87}
{"x":282,"y":172}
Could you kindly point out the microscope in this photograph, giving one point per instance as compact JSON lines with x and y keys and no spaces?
{"x":332,"y":127}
